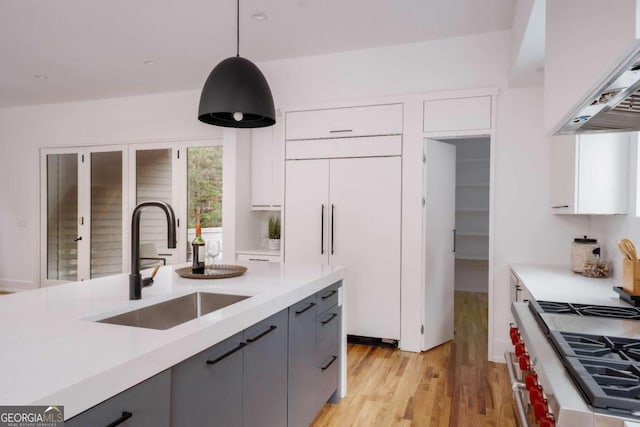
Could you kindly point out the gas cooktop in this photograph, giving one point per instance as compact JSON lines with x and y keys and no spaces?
{"x":629,"y":313}
{"x":606,"y":369}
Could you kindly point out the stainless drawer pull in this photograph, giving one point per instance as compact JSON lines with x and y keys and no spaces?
{"x":311,"y":304}
{"x":559,"y":206}
{"x":271,"y":329}
{"x":258,"y":259}
{"x":125,"y":416}
{"x":341,"y":131}
{"x":516,"y":388}
{"x":227,"y":354}
{"x":333,"y":316}
{"x":333,"y":359}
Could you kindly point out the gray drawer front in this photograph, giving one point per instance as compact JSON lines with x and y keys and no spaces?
{"x":203,"y":393}
{"x":327,"y":334}
{"x":328,"y":297}
{"x":148,"y":403}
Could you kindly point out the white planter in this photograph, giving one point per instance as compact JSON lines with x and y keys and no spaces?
{"x":273,"y":244}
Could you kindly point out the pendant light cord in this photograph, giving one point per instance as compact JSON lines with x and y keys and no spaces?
{"x":238,"y":31}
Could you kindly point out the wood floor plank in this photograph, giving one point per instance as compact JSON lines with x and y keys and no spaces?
{"x":449,"y":386}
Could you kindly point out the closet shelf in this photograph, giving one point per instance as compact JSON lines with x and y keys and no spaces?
{"x":471,"y":258}
{"x":474,"y":185}
{"x":472,"y":160}
{"x":471,"y":234}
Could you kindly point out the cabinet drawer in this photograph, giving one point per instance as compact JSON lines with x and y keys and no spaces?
{"x":146,"y":404}
{"x":328,"y":297}
{"x":327,"y":333}
{"x":441,"y":115}
{"x":254,"y":257}
{"x":372,"y":146}
{"x":345,"y":122}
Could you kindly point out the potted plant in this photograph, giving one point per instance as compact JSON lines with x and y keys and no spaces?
{"x":273,"y":233}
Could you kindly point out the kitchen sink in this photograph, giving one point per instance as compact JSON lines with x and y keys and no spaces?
{"x":168,"y":314}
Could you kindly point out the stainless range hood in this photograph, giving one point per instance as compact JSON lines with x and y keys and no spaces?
{"x":613,"y":107}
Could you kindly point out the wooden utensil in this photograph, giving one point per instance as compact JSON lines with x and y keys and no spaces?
{"x":155,"y":271}
{"x":628,"y":249}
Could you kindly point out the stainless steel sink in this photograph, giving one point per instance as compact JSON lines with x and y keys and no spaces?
{"x":168,"y":314}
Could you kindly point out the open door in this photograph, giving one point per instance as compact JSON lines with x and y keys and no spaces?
{"x":439,"y":242}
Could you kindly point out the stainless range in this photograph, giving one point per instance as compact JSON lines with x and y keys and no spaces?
{"x":579,"y":364}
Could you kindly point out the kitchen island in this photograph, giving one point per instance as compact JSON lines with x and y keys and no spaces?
{"x":55,"y":353}
{"x":562,"y":334}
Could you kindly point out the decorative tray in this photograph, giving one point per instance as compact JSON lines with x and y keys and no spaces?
{"x":215,"y":271}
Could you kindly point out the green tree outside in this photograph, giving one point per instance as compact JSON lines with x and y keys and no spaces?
{"x":204,"y":165}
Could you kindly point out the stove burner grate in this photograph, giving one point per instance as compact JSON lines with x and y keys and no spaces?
{"x":584,"y":345}
{"x":630,"y":313}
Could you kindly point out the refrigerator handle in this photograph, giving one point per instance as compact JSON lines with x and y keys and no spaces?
{"x":332,"y":239}
{"x":322,"y":231}
{"x":454,"y":240}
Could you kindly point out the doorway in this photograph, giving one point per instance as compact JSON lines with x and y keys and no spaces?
{"x":456,"y":215}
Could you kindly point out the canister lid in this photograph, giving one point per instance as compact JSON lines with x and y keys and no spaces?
{"x":584,"y":240}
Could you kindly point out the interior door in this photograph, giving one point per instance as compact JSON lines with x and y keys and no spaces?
{"x":364,"y":235}
{"x":439,"y":242}
{"x":306,"y":211}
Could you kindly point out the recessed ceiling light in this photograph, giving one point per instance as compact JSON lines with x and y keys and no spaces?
{"x":149,"y":62}
{"x":40,"y":76}
{"x":260,"y":16}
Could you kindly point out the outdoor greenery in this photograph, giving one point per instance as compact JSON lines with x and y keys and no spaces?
{"x":205,"y":186}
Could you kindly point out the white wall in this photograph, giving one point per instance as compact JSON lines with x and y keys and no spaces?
{"x":525,"y":230}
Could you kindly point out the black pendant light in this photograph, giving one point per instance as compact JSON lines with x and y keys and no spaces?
{"x":236,"y":94}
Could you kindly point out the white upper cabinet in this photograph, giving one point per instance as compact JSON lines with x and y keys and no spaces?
{"x":459,"y":114}
{"x":590,"y":174}
{"x":584,"y":41}
{"x":267,"y":168}
{"x":345,"y":122}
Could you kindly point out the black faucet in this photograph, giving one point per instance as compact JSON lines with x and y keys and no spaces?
{"x":136,"y":282}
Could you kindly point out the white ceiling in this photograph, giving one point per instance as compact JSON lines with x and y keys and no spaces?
{"x":92,"y":49}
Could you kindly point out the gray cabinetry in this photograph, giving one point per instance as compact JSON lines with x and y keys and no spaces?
{"x":206,"y":389}
{"x":328,"y":351}
{"x":303,"y":400}
{"x":265,"y":373}
{"x":146,"y":404}
{"x":241,"y":381}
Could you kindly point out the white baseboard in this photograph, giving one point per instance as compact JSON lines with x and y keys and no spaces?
{"x":8,"y":285}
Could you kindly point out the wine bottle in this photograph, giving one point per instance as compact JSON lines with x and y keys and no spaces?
{"x":197,"y":247}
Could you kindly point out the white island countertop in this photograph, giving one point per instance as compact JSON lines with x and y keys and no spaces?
{"x":559,"y":283}
{"x":54,"y":353}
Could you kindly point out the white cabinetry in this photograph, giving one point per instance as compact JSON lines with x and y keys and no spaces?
{"x":345,"y":122}
{"x":267,"y":167}
{"x":347,"y":212}
{"x":459,"y":114}
{"x":584,"y":40}
{"x":590,"y":174}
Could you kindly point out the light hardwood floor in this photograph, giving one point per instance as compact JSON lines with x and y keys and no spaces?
{"x":450,"y":385}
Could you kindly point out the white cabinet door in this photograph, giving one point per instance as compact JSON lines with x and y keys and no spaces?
{"x":562,"y":180}
{"x":442,"y":115}
{"x":261,"y":167}
{"x":267,"y":164}
{"x":439,"y":242}
{"x":589,"y":174}
{"x":365,"y":226}
{"x":345,"y":122}
{"x":306,"y":212}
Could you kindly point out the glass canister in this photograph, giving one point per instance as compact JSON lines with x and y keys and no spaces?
{"x":582,"y":251}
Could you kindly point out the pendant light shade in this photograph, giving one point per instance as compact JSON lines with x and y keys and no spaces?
{"x":235,"y":86}
{"x":236,"y":94}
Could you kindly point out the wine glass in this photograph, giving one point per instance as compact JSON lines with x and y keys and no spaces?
{"x":213,"y":249}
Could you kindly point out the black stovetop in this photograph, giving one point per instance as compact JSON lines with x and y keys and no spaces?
{"x":629,"y":313}
{"x":606,"y":369}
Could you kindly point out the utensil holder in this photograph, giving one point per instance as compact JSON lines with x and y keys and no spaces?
{"x":631,"y":276}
